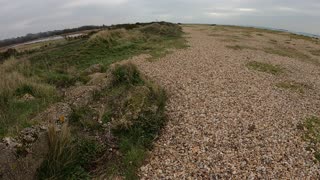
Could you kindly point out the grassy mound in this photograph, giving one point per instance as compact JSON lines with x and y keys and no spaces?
{"x":136,"y":115}
{"x":134,"y":112}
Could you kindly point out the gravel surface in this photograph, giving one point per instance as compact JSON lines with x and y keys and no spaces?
{"x":228,"y":121}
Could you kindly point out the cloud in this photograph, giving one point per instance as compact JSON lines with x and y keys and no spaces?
{"x":246,"y":9}
{"x":83,"y":3}
{"x":18,"y":17}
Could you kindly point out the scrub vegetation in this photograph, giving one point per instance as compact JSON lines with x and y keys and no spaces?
{"x":133,"y":106}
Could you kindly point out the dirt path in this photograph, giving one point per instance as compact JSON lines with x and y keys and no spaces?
{"x":228,"y":121}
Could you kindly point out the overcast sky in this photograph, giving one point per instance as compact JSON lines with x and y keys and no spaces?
{"x":18,"y":17}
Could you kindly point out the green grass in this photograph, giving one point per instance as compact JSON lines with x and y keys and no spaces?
{"x":54,"y":65}
{"x":293,"y":86}
{"x":311,"y":129}
{"x":265,"y":67}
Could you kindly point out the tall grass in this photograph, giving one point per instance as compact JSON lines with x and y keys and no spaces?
{"x":69,"y":155}
{"x":60,"y":155}
{"x":15,"y":112}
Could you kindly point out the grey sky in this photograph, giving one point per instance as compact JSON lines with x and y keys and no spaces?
{"x":18,"y":17}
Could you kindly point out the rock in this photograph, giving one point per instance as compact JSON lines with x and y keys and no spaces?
{"x":80,"y":96}
{"x":27,"y":97}
{"x":56,"y":112}
{"x":11,"y":142}
{"x":252,"y":127}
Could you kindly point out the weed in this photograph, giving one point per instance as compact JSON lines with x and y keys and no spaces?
{"x":311,"y":128}
{"x":265,"y":67}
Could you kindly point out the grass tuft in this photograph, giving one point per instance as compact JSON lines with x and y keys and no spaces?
{"x":69,"y":155}
{"x":265,"y":67}
{"x":60,"y":156}
{"x":127,"y":74}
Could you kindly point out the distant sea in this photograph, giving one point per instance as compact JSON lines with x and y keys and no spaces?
{"x":284,"y":30}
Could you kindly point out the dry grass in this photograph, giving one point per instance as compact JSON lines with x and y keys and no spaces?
{"x":12,"y":78}
{"x":113,"y":37}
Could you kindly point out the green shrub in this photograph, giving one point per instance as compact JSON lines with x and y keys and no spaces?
{"x":127,"y":74}
{"x":24,"y":89}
